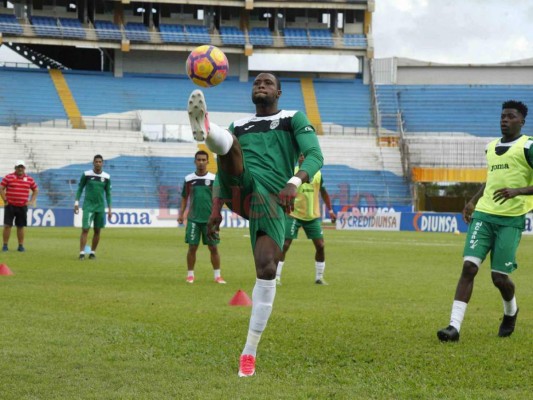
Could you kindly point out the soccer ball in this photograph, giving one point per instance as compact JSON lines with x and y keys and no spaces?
{"x":207,"y":66}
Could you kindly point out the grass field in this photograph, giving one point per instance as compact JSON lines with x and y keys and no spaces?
{"x":127,"y":326}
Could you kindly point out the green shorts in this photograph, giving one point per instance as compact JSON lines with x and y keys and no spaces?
{"x":312,"y":228}
{"x":97,"y":219}
{"x":254,"y":202}
{"x":194,"y":231}
{"x":502,"y":242}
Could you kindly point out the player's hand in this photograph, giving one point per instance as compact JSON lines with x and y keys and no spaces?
{"x":213,"y":226}
{"x":76,"y":209}
{"x":504,"y":194}
{"x":467,"y":212}
{"x":287,"y":196}
{"x":109,"y":214}
{"x":180,"y":220}
{"x":332,"y":216}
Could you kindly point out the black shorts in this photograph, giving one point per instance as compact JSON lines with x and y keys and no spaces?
{"x":19,"y":214}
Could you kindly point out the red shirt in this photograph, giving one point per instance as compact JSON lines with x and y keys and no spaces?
{"x":18,"y":188}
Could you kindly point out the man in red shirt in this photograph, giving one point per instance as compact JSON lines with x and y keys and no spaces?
{"x":15,"y":190}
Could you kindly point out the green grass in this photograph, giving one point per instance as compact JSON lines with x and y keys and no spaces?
{"x":127,"y":326}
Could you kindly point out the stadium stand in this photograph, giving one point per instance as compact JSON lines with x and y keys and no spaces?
{"x":464,"y":109}
{"x":9,"y":24}
{"x":260,"y":36}
{"x":171,"y":33}
{"x":296,"y":37}
{"x":143,"y":173}
{"x":320,"y":38}
{"x":198,"y":34}
{"x":46,"y":26}
{"x":355,"y":40}
{"x":232,"y":36}
{"x":137,"y":32}
{"x":28,"y":96}
{"x":72,"y":28}
{"x":106,"y":30}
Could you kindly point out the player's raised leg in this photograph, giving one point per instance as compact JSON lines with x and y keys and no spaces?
{"x":217,"y":139}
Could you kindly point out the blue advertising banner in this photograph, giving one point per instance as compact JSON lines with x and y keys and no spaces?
{"x":47,"y":216}
{"x":433,"y":222}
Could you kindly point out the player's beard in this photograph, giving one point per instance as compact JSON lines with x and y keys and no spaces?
{"x":264,"y":101}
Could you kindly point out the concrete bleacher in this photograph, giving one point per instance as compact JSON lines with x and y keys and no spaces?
{"x":145,"y":173}
{"x":464,"y":109}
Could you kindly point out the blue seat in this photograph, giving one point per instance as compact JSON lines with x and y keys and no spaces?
{"x":10,"y":25}
{"x":106,"y":30}
{"x":296,"y":37}
{"x":173,"y":33}
{"x":320,"y":38}
{"x":72,"y":28}
{"x":197,"y":34}
{"x":260,"y":37}
{"x":137,"y":32}
{"x":355,"y":40}
{"x":46,"y":26}
{"x":231,"y":35}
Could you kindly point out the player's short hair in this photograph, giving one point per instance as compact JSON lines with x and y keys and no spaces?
{"x":98,"y":156}
{"x":516,"y":105}
{"x":201,"y":153}
{"x":276,"y":77}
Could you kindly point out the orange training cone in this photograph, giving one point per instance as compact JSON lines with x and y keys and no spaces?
{"x":4,"y":270}
{"x":240,"y":299}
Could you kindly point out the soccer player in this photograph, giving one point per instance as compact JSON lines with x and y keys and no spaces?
{"x":497,"y":220}
{"x":15,"y":190}
{"x":306,"y":215}
{"x":255,"y":179}
{"x":97,"y":185}
{"x":197,"y":188}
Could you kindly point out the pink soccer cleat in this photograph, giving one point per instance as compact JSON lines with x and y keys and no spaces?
{"x":246,"y":365}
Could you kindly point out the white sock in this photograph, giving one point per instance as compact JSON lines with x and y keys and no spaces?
{"x":262,"y":300}
{"x":92,"y":252}
{"x":219,"y":140}
{"x":279,"y":269}
{"x":509,"y":307}
{"x":82,"y":252}
{"x":217,"y":273}
{"x":320,"y":266}
{"x":190,"y":273}
{"x":458,"y":313}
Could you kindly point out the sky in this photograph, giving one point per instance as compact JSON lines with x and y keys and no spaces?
{"x":443,"y":31}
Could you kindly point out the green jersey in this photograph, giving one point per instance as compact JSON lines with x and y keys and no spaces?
{"x":97,"y":186}
{"x":272,"y":144}
{"x":199,"y":190}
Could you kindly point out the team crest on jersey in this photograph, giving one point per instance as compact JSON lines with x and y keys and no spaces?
{"x":102,"y":178}
{"x":274,"y":124}
{"x":207,"y":183}
{"x":25,"y":179}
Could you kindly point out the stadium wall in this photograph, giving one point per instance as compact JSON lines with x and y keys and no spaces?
{"x":404,"y":71}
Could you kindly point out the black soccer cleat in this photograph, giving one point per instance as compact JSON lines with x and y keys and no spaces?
{"x":448,"y":334}
{"x":92,"y":256}
{"x":81,"y":257}
{"x":507,"y":325}
{"x":320,"y":282}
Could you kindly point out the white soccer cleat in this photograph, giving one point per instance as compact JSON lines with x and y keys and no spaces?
{"x":198,"y":118}
{"x":246,"y":366}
